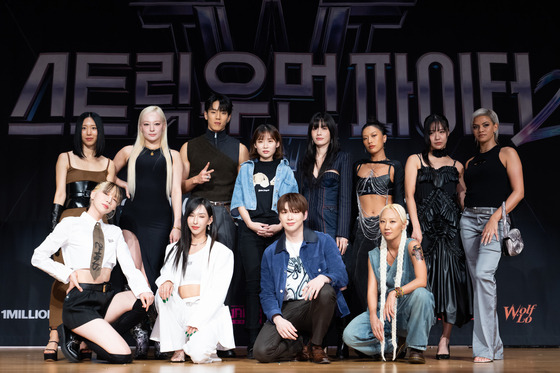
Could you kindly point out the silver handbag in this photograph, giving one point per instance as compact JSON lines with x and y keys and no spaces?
{"x":512,"y":242}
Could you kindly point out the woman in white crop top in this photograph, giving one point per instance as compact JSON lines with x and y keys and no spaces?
{"x":194,"y":281}
{"x":91,"y":310}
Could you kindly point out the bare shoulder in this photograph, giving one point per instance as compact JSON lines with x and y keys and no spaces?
{"x":413,"y":160}
{"x":459,"y":166}
{"x":126,"y":150}
{"x":508,"y":151}
{"x":183,"y":150}
{"x":63,"y":158}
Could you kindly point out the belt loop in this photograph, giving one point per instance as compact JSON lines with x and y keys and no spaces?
{"x":104,"y":287}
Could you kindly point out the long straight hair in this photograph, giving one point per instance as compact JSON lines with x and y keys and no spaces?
{"x":308,"y":162}
{"x":182,"y":247}
{"x":139,"y":146}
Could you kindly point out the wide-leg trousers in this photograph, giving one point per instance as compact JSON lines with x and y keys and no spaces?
{"x":482,"y":262}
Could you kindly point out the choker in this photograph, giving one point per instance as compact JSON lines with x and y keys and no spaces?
{"x":439,"y":153}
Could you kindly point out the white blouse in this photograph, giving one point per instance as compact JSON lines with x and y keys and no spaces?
{"x":74,"y":236}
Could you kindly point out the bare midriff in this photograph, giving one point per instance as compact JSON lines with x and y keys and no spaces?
{"x":85,"y":277}
{"x":189,"y":291}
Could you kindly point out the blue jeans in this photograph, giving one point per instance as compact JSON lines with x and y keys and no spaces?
{"x":415,"y":317}
{"x":482,"y":262}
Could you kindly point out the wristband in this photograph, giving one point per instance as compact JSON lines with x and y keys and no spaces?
{"x":399,"y":292}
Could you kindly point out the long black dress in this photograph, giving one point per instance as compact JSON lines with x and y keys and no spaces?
{"x":439,"y":214}
{"x":149,"y":215}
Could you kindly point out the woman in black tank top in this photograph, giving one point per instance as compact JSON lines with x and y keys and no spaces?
{"x":492,"y":176}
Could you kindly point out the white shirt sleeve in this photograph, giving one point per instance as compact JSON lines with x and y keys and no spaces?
{"x":135,"y":278}
{"x":167,"y":272}
{"x":42,"y":255}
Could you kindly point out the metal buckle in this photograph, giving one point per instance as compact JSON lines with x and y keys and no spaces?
{"x":104,"y":288}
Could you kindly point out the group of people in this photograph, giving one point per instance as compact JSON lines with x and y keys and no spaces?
{"x":325,"y":247}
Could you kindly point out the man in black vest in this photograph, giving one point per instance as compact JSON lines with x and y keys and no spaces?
{"x":211,"y":163}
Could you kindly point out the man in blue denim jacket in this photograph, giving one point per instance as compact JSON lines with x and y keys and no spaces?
{"x":301,"y":277}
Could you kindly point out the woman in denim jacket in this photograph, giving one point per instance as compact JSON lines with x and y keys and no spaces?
{"x":259,"y":184}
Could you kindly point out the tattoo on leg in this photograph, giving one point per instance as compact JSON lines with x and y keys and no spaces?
{"x":418,"y":253}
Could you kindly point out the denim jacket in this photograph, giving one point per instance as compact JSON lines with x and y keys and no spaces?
{"x":244,"y":190}
{"x":319,"y":256}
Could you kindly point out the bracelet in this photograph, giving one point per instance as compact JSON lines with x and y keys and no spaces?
{"x":174,"y":227}
{"x":399,"y":292}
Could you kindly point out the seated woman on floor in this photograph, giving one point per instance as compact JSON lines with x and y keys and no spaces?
{"x":393,"y":308}
{"x":194,"y":281}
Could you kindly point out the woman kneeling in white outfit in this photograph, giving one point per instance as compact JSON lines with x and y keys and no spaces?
{"x":195,"y":278}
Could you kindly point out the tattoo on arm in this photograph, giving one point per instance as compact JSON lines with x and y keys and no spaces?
{"x":418,"y":253}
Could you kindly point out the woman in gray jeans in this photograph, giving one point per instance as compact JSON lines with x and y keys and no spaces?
{"x":492,"y":176}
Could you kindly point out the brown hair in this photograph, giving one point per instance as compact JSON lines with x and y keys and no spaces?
{"x":259,"y":133}
{"x":296,"y":202}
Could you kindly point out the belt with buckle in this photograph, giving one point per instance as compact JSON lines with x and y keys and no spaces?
{"x":481,"y":210}
{"x":104,"y":287}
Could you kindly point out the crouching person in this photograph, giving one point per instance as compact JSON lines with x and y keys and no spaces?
{"x":301,"y":277}
{"x":398,"y":302}
{"x":192,"y":318}
{"x":92,"y":312}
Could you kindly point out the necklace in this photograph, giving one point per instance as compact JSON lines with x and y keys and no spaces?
{"x":390,"y":253}
{"x":199,"y":243}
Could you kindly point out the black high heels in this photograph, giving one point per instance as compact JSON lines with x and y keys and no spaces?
{"x":443,"y":356}
{"x":51,"y":354}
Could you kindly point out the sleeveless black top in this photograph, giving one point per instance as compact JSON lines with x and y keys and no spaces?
{"x":222,"y":151}
{"x":486,"y":180}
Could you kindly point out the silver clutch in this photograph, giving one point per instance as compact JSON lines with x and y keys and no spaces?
{"x":512,"y":242}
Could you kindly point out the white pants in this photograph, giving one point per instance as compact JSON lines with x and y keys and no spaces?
{"x":171,"y":324}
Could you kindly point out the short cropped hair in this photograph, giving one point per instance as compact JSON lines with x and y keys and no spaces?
{"x":225,"y":103}
{"x":296,"y":203}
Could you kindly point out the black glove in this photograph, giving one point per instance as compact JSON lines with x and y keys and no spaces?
{"x":55,"y":214}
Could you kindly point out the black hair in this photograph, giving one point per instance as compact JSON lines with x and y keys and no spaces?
{"x":100,"y":143}
{"x":307,"y":164}
{"x":372,"y":122}
{"x":432,"y":119}
{"x":225,"y":103}
{"x":182,"y":246}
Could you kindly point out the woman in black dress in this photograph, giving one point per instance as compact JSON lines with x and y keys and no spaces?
{"x":151,"y":217}
{"x":433,"y":185}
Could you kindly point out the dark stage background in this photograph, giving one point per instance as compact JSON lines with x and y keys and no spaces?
{"x":280,"y":61}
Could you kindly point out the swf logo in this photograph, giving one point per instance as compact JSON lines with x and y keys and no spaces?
{"x":520,"y":314}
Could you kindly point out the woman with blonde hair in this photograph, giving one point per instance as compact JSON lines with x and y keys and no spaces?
{"x":92,"y":311}
{"x":398,"y":301}
{"x":151,"y":216}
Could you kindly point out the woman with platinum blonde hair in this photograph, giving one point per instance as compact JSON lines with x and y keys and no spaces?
{"x":492,"y":177}
{"x":398,"y":301}
{"x":151,"y":216}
